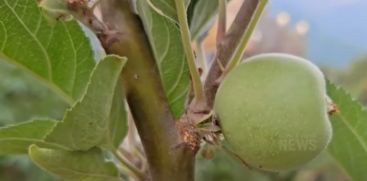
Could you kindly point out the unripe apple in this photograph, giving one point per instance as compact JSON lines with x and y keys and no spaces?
{"x":273,"y":111}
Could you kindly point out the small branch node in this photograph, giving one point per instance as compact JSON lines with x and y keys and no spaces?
{"x":189,"y":136}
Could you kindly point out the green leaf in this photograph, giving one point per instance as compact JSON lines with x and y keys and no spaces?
{"x":117,"y":122}
{"x":165,"y":8}
{"x":190,"y":10}
{"x":59,"y":56}
{"x":76,"y":165}
{"x":165,"y":40}
{"x":16,"y":139}
{"x":23,"y":98}
{"x":203,"y":17}
{"x":87,"y":123}
{"x":349,"y":143}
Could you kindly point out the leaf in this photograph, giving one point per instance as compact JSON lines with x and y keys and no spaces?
{"x":76,"y":165}
{"x":203,"y":16}
{"x":165,"y":40}
{"x":16,"y":139}
{"x":117,"y":122}
{"x":165,"y":8}
{"x":190,"y":10}
{"x":349,"y":143}
{"x":55,"y":10}
{"x":23,"y":98}
{"x":88,"y":121}
{"x":59,"y":56}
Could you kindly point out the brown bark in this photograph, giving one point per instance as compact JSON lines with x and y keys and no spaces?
{"x":168,"y":159}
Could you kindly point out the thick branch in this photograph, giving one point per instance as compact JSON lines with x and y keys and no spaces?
{"x":145,"y":95}
{"x":227,"y":46}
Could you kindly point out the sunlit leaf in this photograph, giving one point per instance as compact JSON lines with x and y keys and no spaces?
{"x":203,"y":16}
{"x":349,"y":143}
{"x":165,"y":8}
{"x":87,"y":123}
{"x":58,"y":55}
{"x":165,"y":39}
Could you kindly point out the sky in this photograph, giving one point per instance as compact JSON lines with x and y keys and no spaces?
{"x":338,"y":28}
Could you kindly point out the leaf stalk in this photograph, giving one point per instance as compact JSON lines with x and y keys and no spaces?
{"x":186,"y":40}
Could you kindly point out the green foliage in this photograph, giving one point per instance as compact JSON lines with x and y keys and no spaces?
{"x":190,"y":10}
{"x":58,"y":55}
{"x":88,"y":122}
{"x":16,"y":139}
{"x":165,"y":8}
{"x":24,"y":98}
{"x":55,"y":10}
{"x":165,"y":40}
{"x":203,"y":17}
{"x":99,"y":119}
{"x":349,"y":143}
{"x":75,"y":166}
{"x":117,"y":127}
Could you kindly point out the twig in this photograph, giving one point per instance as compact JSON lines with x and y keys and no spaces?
{"x":222,"y":20}
{"x":237,"y":56}
{"x":130,"y":167}
{"x":227,"y":47}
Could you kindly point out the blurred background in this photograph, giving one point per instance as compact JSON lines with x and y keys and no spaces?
{"x":331,"y":33}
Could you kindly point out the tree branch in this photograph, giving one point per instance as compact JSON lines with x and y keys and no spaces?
{"x":227,"y":47}
{"x":145,"y":95}
{"x":245,"y":38}
{"x":222,"y":20}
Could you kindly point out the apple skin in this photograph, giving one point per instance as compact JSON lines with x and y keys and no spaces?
{"x":272,"y":109}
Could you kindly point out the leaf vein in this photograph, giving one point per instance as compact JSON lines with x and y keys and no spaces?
{"x":49,"y":66}
{"x":74,"y":58}
{"x":359,"y":139}
{"x":5,"y":35}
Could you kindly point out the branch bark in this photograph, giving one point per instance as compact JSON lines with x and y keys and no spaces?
{"x":145,"y":95}
{"x":227,"y":47}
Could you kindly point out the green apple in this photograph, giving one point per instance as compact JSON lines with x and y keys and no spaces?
{"x":273,"y":111}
